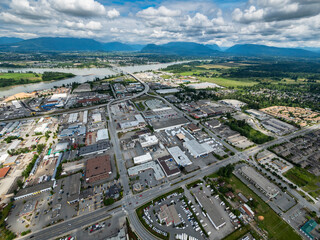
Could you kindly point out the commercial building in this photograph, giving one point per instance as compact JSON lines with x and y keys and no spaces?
{"x":98,"y":168}
{"x":142,"y":158}
{"x":169,"y":215}
{"x":160,"y":125}
{"x":193,"y":128}
{"x":259,"y":181}
{"x":203,"y":85}
{"x":10,"y":161}
{"x":212,"y":208}
{"x":213,"y":123}
{"x":34,"y":190}
{"x":179,"y":156}
{"x":168,"y":166}
{"x":136,"y":122}
{"x":73,"y":117}
{"x":4,"y":171}
{"x":308,"y":227}
{"x":102,"y":134}
{"x":62,"y":146}
{"x":167,"y":91}
{"x":96,"y":117}
{"x":157,"y":105}
{"x":158,"y":173}
{"x":236,"y":104}
{"x":147,"y":140}
{"x":97,"y":148}
{"x":73,"y":188}
{"x":196,"y":149}
{"x":247,"y":210}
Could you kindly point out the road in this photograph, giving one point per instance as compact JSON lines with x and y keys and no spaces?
{"x":129,"y":200}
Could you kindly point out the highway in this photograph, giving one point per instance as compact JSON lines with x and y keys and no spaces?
{"x":129,"y":200}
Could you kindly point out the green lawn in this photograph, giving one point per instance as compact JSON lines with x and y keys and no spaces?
{"x":304,"y":179}
{"x":277,"y":228}
{"x":229,"y":82}
{"x":238,"y":233}
{"x":18,"y":76}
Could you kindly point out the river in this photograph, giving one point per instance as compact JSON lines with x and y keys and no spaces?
{"x":82,"y":75}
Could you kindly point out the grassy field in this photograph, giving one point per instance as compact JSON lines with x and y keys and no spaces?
{"x":238,"y":233}
{"x":272,"y":223}
{"x":214,"y":66}
{"x":229,"y":82}
{"x":18,"y":76}
{"x":305,"y":180}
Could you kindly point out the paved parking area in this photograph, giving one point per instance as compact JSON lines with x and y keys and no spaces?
{"x":187,"y":228}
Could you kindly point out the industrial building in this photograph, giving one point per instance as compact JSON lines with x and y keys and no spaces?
{"x":42,"y":128}
{"x":74,"y":188}
{"x":196,"y":149}
{"x":169,"y":215}
{"x":203,"y":85}
{"x":160,"y":125}
{"x":142,"y":158}
{"x":98,"y":168}
{"x":179,"y":156}
{"x":73,"y":117}
{"x":61,"y":146}
{"x":97,"y":148}
{"x":4,"y":171}
{"x":259,"y":181}
{"x":102,"y":134}
{"x":147,"y":140}
{"x":236,"y":104}
{"x":157,"y":105}
{"x":72,"y":130}
{"x":169,"y":166}
{"x":136,"y":122}
{"x":245,"y":209}
{"x":34,"y":190}
{"x":96,"y":117}
{"x":212,"y":208}
{"x":158,"y":173}
{"x":167,"y":91}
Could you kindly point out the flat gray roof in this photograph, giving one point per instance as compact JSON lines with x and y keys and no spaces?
{"x":263,"y":183}
{"x":211,"y":207}
{"x":160,"y":124}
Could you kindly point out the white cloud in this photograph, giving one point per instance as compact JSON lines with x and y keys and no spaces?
{"x":158,"y":12}
{"x":113,"y":13}
{"x":92,"y":25}
{"x":83,"y":8}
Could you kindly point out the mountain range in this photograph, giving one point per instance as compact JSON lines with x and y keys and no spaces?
{"x":56,"y":44}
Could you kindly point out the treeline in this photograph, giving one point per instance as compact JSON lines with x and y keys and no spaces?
{"x":246,"y":130}
{"x":49,"y":76}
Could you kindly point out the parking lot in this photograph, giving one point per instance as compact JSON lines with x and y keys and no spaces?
{"x":188,"y":226}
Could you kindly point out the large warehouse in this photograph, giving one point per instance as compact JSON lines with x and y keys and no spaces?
{"x":179,"y":156}
{"x":259,"y":181}
{"x":98,"y":168}
{"x":212,"y":208}
{"x":196,"y":149}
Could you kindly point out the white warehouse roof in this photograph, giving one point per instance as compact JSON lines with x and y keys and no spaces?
{"x":142,"y":159}
{"x":102,"y":134}
{"x":158,"y":173}
{"x":179,"y":156}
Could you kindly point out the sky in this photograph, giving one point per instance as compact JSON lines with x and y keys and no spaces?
{"x":282,"y":23}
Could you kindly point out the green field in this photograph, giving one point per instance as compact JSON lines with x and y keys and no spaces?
{"x":238,"y":233}
{"x":224,"y":82}
{"x":307,"y":181}
{"x":16,"y":78}
{"x":19,"y":76}
{"x":277,"y":228}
